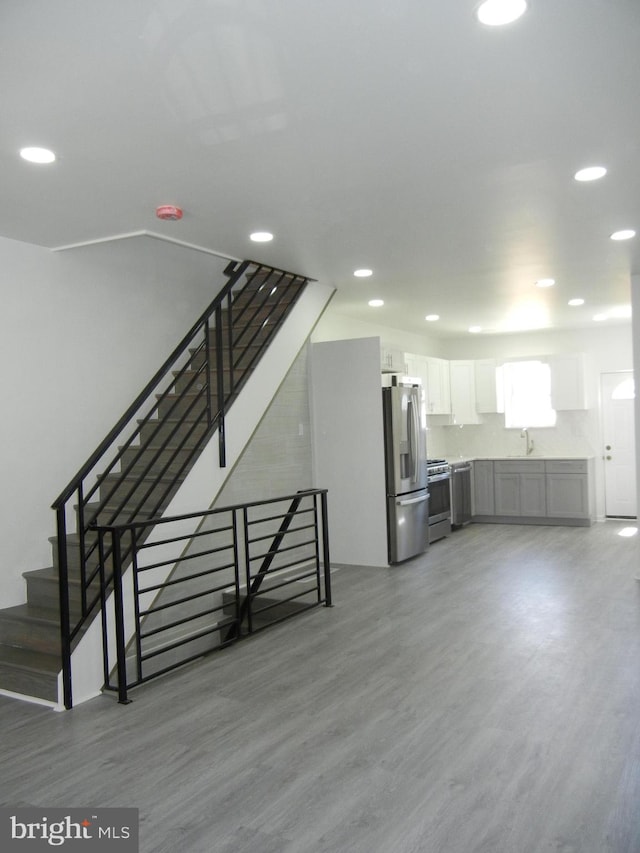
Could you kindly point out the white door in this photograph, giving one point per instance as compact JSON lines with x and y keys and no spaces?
{"x":619,"y":444}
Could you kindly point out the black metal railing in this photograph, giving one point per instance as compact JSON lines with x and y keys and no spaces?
{"x":137,"y":468}
{"x":198,"y":582}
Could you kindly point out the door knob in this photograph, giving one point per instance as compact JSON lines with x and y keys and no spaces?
{"x":608,"y":447}
{"x":608,"y":457}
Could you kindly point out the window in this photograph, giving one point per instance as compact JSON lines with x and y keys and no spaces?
{"x":527,"y":395}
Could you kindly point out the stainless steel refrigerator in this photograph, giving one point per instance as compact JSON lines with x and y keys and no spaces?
{"x":405,"y":452}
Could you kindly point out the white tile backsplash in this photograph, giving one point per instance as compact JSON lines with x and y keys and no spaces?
{"x":575,"y":434}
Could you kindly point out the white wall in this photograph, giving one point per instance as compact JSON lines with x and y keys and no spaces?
{"x":348,"y":448}
{"x":81,"y":334}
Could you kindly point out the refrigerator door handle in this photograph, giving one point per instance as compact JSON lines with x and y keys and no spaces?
{"x":409,"y":501}
{"x":415,"y":432}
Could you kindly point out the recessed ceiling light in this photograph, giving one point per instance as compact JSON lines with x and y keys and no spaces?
{"x":598,"y":318}
{"x":376,"y":303}
{"x":545,"y":282}
{"x":364,"y":273}
{"x":475,"y":329}
{"x":590,"y":173}
{"x":261,"y":236}
{"x":37,"y":155}
{"x":574,"y":302}
{"x":625,"y":234}
{"x":432,"y":317}
{"x":496,"y":13}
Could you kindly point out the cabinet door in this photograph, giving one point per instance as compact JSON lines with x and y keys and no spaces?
{"x":392,"y":360}
{"x":568,"y":390}
{"x":483,"y":490}
{"x":438,"y":387}
{"x":507,"y":493}
{"x":568,"y":495}
{"x":463,"y":392}
{"x":533,"y":500}
{"x":489,"y":392}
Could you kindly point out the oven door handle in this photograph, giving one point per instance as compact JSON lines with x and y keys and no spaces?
{"x":436,"y":478}
{"x":419,"y":500}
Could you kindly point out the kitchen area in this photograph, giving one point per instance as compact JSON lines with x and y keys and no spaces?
{"x":473,"y":467}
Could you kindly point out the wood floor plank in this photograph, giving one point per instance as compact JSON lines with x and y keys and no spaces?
{"x":482,"y":698}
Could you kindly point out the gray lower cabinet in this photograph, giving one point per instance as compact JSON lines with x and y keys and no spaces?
{"x":568,"y":488}
{"x":483,"y":489}
{"x":533,"y":491}
{"x":520,"y":488}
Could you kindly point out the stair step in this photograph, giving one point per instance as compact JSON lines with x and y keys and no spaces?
{"x":30,"y":627}
{"x":175,"y":432}
{"x":116,"y":491}
{"x":73,"y":553}
{"x":29,"y":673}
{"x":43,"y":589}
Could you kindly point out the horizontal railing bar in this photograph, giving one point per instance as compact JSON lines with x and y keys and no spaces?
{"x":144,"y":635}
{"x":271,"y":571}
{"x":184,"y":558}
{"x":286,"y":532}
{"x":183,"y":600}
{"x":196,"y":535}
{"x":197,"y":636}
{"x":261,"y":556}
{"x":187,"y":578}
{"x":289,"y":514}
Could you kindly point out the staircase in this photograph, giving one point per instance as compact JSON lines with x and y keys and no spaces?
{"x":137,"y":470}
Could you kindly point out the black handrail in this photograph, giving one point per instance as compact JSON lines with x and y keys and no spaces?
{"x":174,"y":429}
{"x":234,"y":516}
{"x":142,"y":397}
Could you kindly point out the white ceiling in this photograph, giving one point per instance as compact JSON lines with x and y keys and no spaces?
{"x":399,"y":135}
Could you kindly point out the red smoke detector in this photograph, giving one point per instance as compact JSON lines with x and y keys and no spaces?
{"x":169,"y":211}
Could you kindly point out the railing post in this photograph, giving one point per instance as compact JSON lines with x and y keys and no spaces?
{"x":222,"y":452}
{"x":325,"y":550}
{"x":118,"y":603}
{"x":65,"y":622}
{"x":207,"y":367}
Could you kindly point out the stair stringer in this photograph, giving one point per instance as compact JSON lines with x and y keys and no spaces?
{"x":205,"y":480}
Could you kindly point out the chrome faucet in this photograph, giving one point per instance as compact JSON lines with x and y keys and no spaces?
{"x":528,"y":441}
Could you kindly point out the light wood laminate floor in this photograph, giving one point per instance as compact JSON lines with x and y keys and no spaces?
{"x":484,"y":698}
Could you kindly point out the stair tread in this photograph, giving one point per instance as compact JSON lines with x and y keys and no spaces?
{"x":31,"y":612}
{"x":48,"y":574}
{"x":27,"y":659}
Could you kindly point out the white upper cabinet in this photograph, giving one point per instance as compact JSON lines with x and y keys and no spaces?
{"x":438,"y":387}
{"x":463,"y":392}
{"x":489,"y":391}
{"x":416,"y":367}
{"x":391,"y":359}
{"x":568,"y":386}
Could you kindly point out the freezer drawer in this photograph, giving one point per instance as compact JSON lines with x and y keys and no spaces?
{"x":408,"y":525}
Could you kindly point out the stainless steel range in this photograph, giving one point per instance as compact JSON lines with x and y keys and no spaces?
{"x":438,"y":484}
